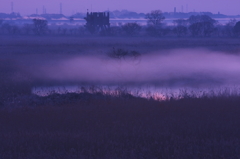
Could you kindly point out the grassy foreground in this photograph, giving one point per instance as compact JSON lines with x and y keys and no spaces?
{"x":122,"y":127}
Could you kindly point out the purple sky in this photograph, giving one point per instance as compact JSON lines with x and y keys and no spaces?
{"x":25,"y":7}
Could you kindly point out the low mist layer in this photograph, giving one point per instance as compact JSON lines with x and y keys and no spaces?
{"x":182,"y":67}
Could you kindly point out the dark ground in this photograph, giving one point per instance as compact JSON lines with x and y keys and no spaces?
{"x":108,"y":127}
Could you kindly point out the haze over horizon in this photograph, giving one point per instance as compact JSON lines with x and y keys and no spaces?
{"x":26,"y":7}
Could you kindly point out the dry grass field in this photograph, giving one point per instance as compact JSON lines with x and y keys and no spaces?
{"x":93,"y":126}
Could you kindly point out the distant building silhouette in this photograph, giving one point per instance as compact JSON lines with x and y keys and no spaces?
{"x":97,"y":21}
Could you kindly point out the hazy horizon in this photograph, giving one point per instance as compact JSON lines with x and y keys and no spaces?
{"x":26,"y":7}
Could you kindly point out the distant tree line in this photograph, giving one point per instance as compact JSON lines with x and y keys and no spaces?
{"x":120,"y":14}
{"x":12,"y":15}
{"x":40,"y":27}
{"x":194,"y":26}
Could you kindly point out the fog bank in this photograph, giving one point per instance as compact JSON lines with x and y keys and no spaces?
{"x":183,"y":67}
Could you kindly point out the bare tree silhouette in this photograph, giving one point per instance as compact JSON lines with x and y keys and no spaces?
{"x":237,"y":28}
{"x":201,"y":25}
{"x":155,"y":18}
{"x":200,"y":18}
{"x":180,"y":28}
{"x":40,"y":26}
{"x":229,"y":27}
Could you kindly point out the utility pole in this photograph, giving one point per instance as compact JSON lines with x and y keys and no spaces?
{"x":12,"y":7}
{"x":60,"y":8}
{"x":44,"y":10}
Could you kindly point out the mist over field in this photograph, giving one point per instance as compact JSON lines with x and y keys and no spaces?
{"x":178,"y":67}
{"x":31,"y":62}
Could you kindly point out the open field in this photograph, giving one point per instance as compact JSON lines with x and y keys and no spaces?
{"x":98,"y":125}
{"x":93,"y":127}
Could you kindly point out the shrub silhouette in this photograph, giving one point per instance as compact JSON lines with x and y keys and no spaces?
{"x":131,"y":28}
{"x":121,"y":53}
{"x":180,"y":30}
